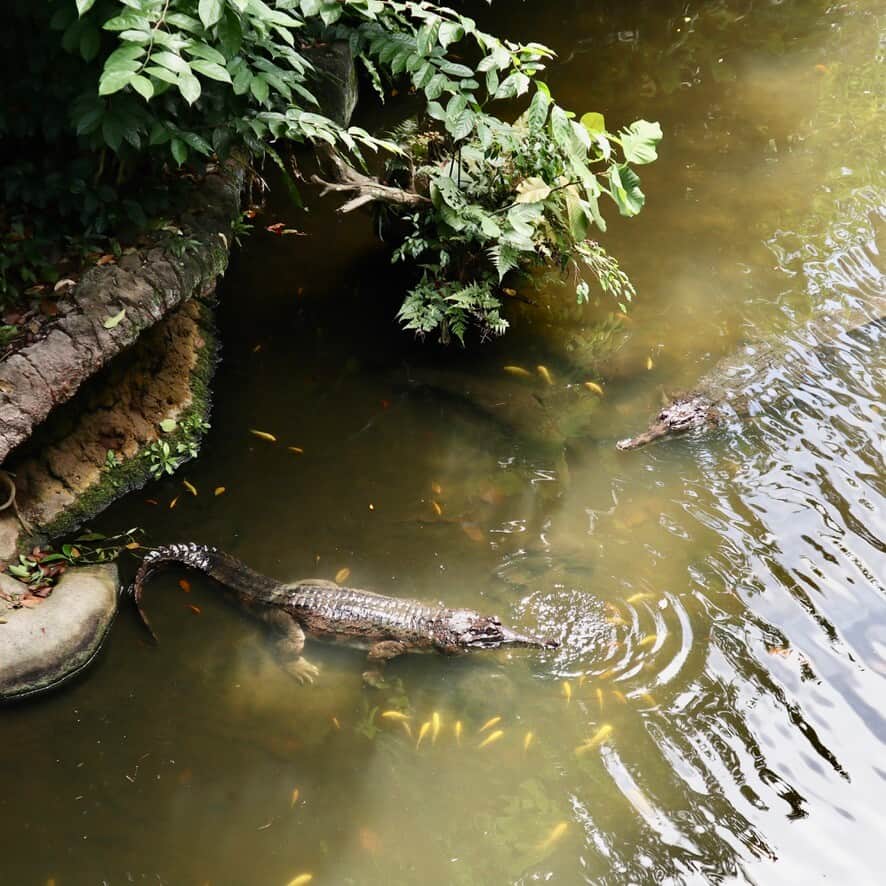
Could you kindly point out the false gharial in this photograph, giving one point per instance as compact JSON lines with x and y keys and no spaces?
{"x":386,"y":626}
{"x":733,"y":385}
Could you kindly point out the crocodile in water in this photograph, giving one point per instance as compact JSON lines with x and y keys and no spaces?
{"x":734,"y":383}
{"x":386,"y":626}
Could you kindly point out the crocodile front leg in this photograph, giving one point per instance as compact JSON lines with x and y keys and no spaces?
{"x":289,"y":643}
{"x":379,"y":655}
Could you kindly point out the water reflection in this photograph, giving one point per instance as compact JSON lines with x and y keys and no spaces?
{"x":720,"y":597}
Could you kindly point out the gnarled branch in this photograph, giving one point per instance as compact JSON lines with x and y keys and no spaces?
{"x":365,"y":188}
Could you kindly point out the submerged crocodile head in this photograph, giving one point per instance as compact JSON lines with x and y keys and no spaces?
{"x":678,"y":416}
{"x":464,"y":629}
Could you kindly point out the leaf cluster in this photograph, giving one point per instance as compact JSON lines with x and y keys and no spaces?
{"x":133,"y":87}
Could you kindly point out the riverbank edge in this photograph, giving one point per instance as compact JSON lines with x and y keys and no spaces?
{"x":151,"y":286}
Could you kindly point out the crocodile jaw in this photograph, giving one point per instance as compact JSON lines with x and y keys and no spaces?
{"x":512,"y":638}
{"x":678,"y":416}
{"x":655,"y":431}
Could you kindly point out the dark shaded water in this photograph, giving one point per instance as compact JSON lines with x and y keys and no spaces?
{"x":720,"y":598}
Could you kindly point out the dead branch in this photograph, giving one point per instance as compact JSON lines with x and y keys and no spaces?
{"x":365,"y":188}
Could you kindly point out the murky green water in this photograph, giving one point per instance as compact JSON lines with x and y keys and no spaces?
{"x":720,"y":598}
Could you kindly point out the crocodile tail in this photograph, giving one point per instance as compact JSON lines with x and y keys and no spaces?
{"x":224,"y":568}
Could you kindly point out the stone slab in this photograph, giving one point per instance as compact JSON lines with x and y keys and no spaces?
{"x":44,"y":646}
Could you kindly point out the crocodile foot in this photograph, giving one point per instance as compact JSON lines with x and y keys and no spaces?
{"x":302,"y":670}
{"x":374,"y":679}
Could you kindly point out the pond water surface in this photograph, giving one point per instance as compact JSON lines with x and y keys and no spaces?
{"x":715,"y":711}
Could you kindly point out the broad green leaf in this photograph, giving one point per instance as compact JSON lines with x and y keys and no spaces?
{"x":259,"y":87}
{"x":561,"y":131}
{"x":83,"y":6}
{"x":143,"y":86}
{"x":189,"y":87}
{"x":168,"y":425}
{"x":436,"y":110}
{"x":211,"y":70}
{"x":172,"y":61}
{"x":89,"y":43}
{"x":456,"y":70}
{"x":459,"y":120}
{"x":638,"y":141}
{"x":114,"y":81}
{"x":537,"y":114}
{"x":230,"y":33}
{"x":450,"y":33}
{"x":124,"y":59}
{"x":179,"y":150}
{"x":202,"y":50}
{"x":210,"y":11}
{"x":184,"y":22}
{"x":532,"y":190}
{"x":522,"y":219}
{"x":594,"y":123}
{"x":162,"y":74}
{"x":435,"y":88}
{"x":136,"y":36}
{"x":625,"y":189}
{"x":513,"y":85}
{"x":579,"y":220}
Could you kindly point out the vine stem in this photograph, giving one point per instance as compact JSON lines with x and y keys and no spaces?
{"x":160,"y":21}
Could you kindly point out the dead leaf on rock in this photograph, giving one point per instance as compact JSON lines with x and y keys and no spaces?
{"x":111,"y":322}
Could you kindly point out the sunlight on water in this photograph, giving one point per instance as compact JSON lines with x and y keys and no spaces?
{"x":714,"y":712}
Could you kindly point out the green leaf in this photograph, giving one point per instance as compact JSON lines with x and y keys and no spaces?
{"x":456,"y":70}
{"x":230,"y":33}
{"x":83,"y":6}
{"x":435,"y":88}
{"x":593,"y":122}
{"x":459,"y":119}
{"x":561,"y":131}
{"x":625,"y":189}
{"x":638,"y":141}
{"x":579,"y":220}
{"x":450,"y":33}
{"x":537,"y":114}
{"x":211,"y":70}
{"x":259,"y":87}
{"x":162,"y":74}
{"x":111,"y":322}
{"x":513,"y":85}
{"x":113,"y":81}
{"x":210,"y":11}
{"x":173,"y":62}
{"x":202,"y":50}
{"x":532,"y":190}
{"x":124,"y":59}
{"x":435,"y":110}
{"x":168,"y":425}
{"x":189,"y":87}
{"x":143,"y":86}
{"x":89,"y":43}
{"x":179,"y":150}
